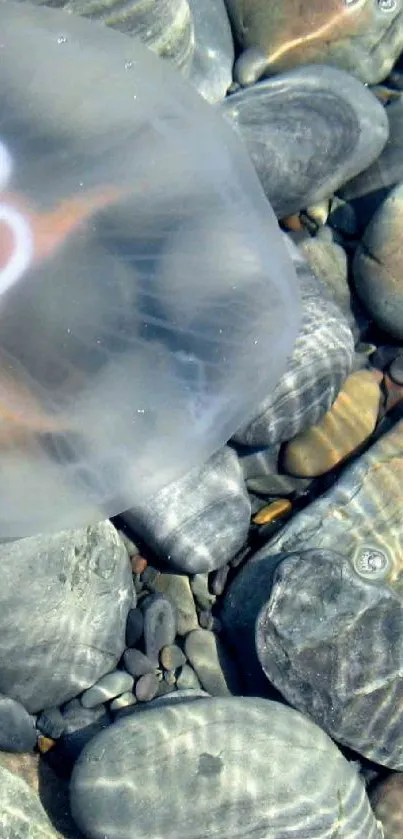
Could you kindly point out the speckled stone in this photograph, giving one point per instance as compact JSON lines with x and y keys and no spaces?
{"x":307,"y":132}
{"x":364,"y":37}
{"x":378,"y":265}
{"x":224,"y":766}
{"x":350,"y":421}
{"x":332,"y":643}
{"x":66,"y":629}
{"x":199,"y":522}
{"x":322,"y":359}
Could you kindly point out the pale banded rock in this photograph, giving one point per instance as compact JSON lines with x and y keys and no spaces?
{"x":322,"y":359}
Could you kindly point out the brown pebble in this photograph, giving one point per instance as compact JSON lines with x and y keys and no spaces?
{"x":138,"y":563}
{"x":45,"y":744}
{"x":349,"y":422}
{"x":273,"y":511}
{"x":172,"y":657}
{"x":293,"y":223}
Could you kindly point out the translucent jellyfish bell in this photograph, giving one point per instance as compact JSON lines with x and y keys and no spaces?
{"x":147,"y":301}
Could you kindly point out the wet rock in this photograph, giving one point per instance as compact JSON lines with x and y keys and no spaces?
{"x":328,"y":261}
{"x":22,"y":814}
{"x":213,"y":58}
{"x":396,"y":370}
{"x":146,"y":687}
{"x":322,"y":359}
{"x":307,"y":132}
{"x":244,"y":598}
{"x":273,"y":511}
{"x":172,"y":657}
{"x":134,"y":627}
{"x":364,"y":38}
{"x":331,"y":643}
{"x":378,"y":265}
{"x":350,"y":421}
{"x":368,"y":189}
{"x":165,"y":26}
{"x":159,"y":625}
{"x":199,"y":522}
{"x":17,"y":727}
{"x":137,"y":664}
{"x":176,"y":588}
{"x":107,"y":688}
{"x":77,"y":600}
{"x":51,"y":723}
{"x":187,"y":679}
{"x":211,"y":663}
{"x":205,"y":598}
{"x":81,"y":725}
{"x":387,"y":804}
{"x":201,"y":769}
{"x":122,"y":702}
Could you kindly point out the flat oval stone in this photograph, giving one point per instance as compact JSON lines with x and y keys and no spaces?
{"x":378,"y":265}
{"x":350,"y":421}
{"x":364,"y":37}
{"x":17,"y":727}
{"x":137,"y":664}
{"x":108,"y":687}
{"x":322,"y":359}
{"x":332,"y":643}
{"x":226,"y":767}
{"x":213,"y":666}
{"x":159,"y":625}
{"x":64,"y":601}
{"x":307,"y":132}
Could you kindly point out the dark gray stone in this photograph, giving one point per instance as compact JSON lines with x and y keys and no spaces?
{"x":17,"y":727}
{"x":199,"y":522}
{"x":81,"y":725}
{"x":307,"y":132}
{"x":332,"y":643}
{"x":64,"y":601}
{"x":218,"y":767}
{"x":159,"y":625}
